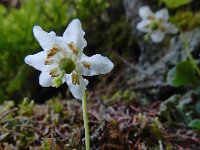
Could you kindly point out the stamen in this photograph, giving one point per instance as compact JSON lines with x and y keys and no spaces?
{"x":151,"y":18}
{"x":48,"y":61}
{"x":53,"y":51}
{"x":54,"y":72}
{"x":75,"y":79}
{"x":162,"y":28}
{"x":73,"y":47}
{"x":86,"y":64}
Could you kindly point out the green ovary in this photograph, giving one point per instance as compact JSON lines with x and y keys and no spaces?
{"x":66,"y":65}
{"x":154,"y":26}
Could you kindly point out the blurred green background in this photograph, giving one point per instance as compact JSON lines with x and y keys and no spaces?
{"x":17,"y":17}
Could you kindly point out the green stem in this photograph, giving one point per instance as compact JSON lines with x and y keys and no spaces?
{"x":192,"y":61}
{"x":85,"y":119}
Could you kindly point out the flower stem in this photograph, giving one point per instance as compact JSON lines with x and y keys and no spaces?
{"x":85,"y":119}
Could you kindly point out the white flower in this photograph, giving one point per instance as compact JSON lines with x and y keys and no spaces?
{"x":155,"y":24}
{"x":62,"y":59}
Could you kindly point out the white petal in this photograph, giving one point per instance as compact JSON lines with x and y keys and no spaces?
{"x":74,"y":33}
{"x":36,"y":60}
{"x":157,"y":36}
{"x":145,"y":12}
{"x":171,"y":28}
{"x":162,"y":14}
{"x":143,"y":26}
{"x":45,"y":39}
{"x":76,"y":90}
{"x":98,"y":65}
{"x":45,"y":79}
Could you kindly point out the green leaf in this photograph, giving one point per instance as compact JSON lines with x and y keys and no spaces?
{"x":195,"y":124}
{"x":183,"y":74}
{"x":178,"y":109}
{"x":175,"y":3}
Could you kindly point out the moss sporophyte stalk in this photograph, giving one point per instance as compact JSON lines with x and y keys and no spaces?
{"x":62,"y":60}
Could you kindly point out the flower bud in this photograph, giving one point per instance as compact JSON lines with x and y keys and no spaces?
{"x":66,"y":65}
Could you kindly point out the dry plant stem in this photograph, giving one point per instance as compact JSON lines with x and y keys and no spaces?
{"x":85,"y":119}
{"x":8,"y":112}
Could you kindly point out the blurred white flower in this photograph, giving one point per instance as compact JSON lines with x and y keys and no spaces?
{"x":62,"y":59}
{"x":155,"y":24}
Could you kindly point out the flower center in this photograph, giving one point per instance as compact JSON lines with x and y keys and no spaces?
{"x":58,"y":60}
{"x":61,"y":63}
{"x":66,"y":65}
{"x":154,"y":26}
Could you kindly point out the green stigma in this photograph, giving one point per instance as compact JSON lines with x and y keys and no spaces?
{"x":66,"y":65}
{"x":154,"y":26}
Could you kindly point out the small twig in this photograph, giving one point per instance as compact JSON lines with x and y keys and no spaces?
{"x":134,"y":108}
{"x":37,"y":131}
{"x":112,"y":146}
{"x":8,"y":112}
{"x":60,"y":134}
{"x":190,"y":138}
{"x":174,"y":137}
{"x":137,"y":142}
{"x":146,"y":86}
{"x":133,"y":67}
{"x":10,"y":131}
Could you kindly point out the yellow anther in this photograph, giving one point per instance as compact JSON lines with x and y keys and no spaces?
{"x":53,"y":51}
{"x":86,"y":64}
{"x":73,"y":47}
{"x":75,"y":79}
{"x":151,"y":18}
{"x":54,"y":72}
{"x":48,"y":61}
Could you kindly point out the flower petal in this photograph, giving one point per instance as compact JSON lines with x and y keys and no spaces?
{"x":171,"y":28}
{"x":145,"y":12}
{"x":45,"y":79}
{"x":98,"y":64}
{"x":45,"y":39}
{"x":157,"y":36}
{"x":36,"y":60}
{"x":143,"y":26}
{"x":76,"y":90}
{"x":74,"y":33}
{"x":162,"y":14}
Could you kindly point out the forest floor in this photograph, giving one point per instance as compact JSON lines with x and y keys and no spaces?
{"x":117,"y":125}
